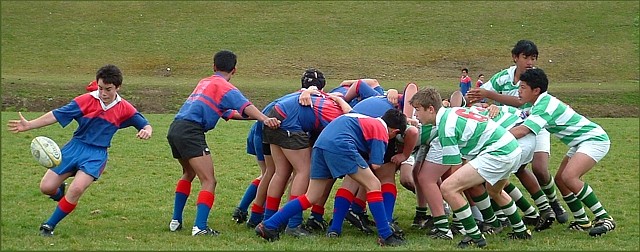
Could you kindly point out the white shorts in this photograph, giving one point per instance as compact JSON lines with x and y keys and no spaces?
{"x":594,"y":149}
{"x":543,"y":142}
{"x":411,"y":160}
{"x":495,"y":168}
{"x":527,"y":143}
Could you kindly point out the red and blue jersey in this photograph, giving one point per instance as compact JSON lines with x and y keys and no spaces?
{"x":307,"y":118}
{"x":375,"y":106}
{"x":97,"y":122}
{"x":212,"y":99}
{"x":362,"y":89}
{"x":355,"y":132}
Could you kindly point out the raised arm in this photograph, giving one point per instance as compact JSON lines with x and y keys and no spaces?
{"x":21,"y":125}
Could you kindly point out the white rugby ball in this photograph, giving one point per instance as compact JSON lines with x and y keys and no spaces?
{"x":46,"y":151}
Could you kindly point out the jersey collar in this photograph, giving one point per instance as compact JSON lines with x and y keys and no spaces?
{"x":105,"y":107}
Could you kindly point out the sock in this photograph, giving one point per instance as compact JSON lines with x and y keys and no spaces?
{"x":421,"y":211}
{"x":287,"y":211}
{"x":203,"y":206}
{"x":574,"y":204}
{"x":522,"y":203}
{"x":484,"y":205}
{"x":550,"y":190}
{"x":589,"y":199}
{"x":514,"y":217}
{"x":271,"y":207}
{"x":441,"y":222}
{"x":249,"y":195}
{"x":497,"y":210}
{"x":476,"y":213}
{"x":296,"y":219}
{"x":59,"y":193}
{"x":63,"y":209}
{"x":376,"y":206}
{"x":358,"y":206}
{"x":257,"y":214}
{"x":389,"y":192}
{"x":183,"y":189}
{"x":340,"y":209}
{"x":541,"y":200}
{"x":317,"y":211}
{"x":470,"y":227}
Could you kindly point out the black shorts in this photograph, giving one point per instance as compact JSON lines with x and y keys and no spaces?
{"x":392,"y":150}
{"x":292,"y":140}
{"x":187,"y":140}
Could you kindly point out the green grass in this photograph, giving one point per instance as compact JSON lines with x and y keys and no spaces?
{"x":134,"y":197}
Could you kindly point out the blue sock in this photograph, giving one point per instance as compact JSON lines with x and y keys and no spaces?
{"x":183,"y":189}
{"x":389,"y":192}
{"x":287,"y":211}
{"x":249,"y":195}
{"x":205,"y":201}
{"x":376,"y":206}
{"x":63,"y":209}
{"x":340,"y":209}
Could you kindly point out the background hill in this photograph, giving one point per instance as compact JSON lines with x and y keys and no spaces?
{"x":50,"y":50}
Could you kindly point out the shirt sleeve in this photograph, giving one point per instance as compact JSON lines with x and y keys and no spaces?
{"x":450,"y":150}
{"x":67,"y":113}
{"x":137,"y":120}
{"x":234,"y":100}
{"x":537,"y":120}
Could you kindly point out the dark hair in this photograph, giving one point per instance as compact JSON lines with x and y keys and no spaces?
{"x":394,"y":118}
{"x":224,"y":61}
{"x":465,"y":70}
{"x":110,"y":74}
{"x":480,"y":75}
{"x":535,"y":78}
{"x":313,"y":77}
{"x":526,"y":47}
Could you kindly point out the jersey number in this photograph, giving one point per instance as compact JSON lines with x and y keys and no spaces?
{"x":470,"y":115}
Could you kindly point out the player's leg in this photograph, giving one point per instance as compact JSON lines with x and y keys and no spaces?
{"x":254,"y":147}
{"x":540,"y":168}
{"x":257,"y":207}
{"x":365,"y":177}
{"x":203,"y":167}
{"x":452,"y":189}
{"x":479,"y":195}
{"x":300,"y":159}
{"x":582,"y":161}
{"x":316,"y":219}
{"x":278,"y":182}
{"x":341,"y":203}
{"x":67,"y":203}
{"x":53,"y":184}
{"x":496,"y":192}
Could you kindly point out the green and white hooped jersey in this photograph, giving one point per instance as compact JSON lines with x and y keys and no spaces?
{"x":508,"y":117}
{"x":427,"y":133}
{"x":462,"y":132}
{"x":562,"y":121}
{"x":502,"y":83}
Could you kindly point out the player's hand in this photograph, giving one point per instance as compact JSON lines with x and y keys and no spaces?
{"x":144,"y":134}
{"x":476,"y":94}
{"x":413,"y":122}
{"x":392,"y":96}
{"x":397,"y":159}
{"x":272,"y":122}
{"x":16,"y":126}
{"x":493,"y":110}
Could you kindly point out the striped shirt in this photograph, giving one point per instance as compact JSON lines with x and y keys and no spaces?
{"x":508,"y":117}
{"x":560,"y":120}
{"x":502,"y":83}
{"x":464,"y":133}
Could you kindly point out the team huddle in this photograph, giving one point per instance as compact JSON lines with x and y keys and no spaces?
{"x":456,"y":155}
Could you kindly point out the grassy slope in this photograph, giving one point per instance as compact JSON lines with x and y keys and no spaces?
{"x":396,"y":42}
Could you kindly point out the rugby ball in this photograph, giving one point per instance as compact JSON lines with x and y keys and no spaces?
{"x":46,"y":151}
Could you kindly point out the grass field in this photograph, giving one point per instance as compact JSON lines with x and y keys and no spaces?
{"x":51,"y":50}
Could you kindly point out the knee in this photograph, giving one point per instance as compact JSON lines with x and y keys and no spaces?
{"x":408,"y":184}
{"x":448,"y":189}
{"x":48,"y":188}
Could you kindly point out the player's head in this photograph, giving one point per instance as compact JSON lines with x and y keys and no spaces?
{"x":465,"y":71}
{"x":480,"y":76}
{"x":396,"y":122}
{"x":225,"y":61}
{"x":109,"y":79}
{"x":526,"y":47}
{"x":313,"y":77}
{"x":535,"y":78}
{"x":110,"y":74}
{"x":427,"y":101}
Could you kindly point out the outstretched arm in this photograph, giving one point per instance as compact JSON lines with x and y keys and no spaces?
{"x":21,"y":125}
{"x":477,"y":94}
{"x":346,"y":108}
{"x":145,"y":133}
{"x":253,"y":112}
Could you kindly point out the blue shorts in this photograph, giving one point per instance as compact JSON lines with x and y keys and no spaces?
{"x":254,"y":142}
{"x":325,"y":164}
{"x":77,"y":155}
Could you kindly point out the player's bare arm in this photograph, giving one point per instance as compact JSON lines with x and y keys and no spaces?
{"x":519,"y":131}
{"x":23,"y":124}
{"x":145,"y":133}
